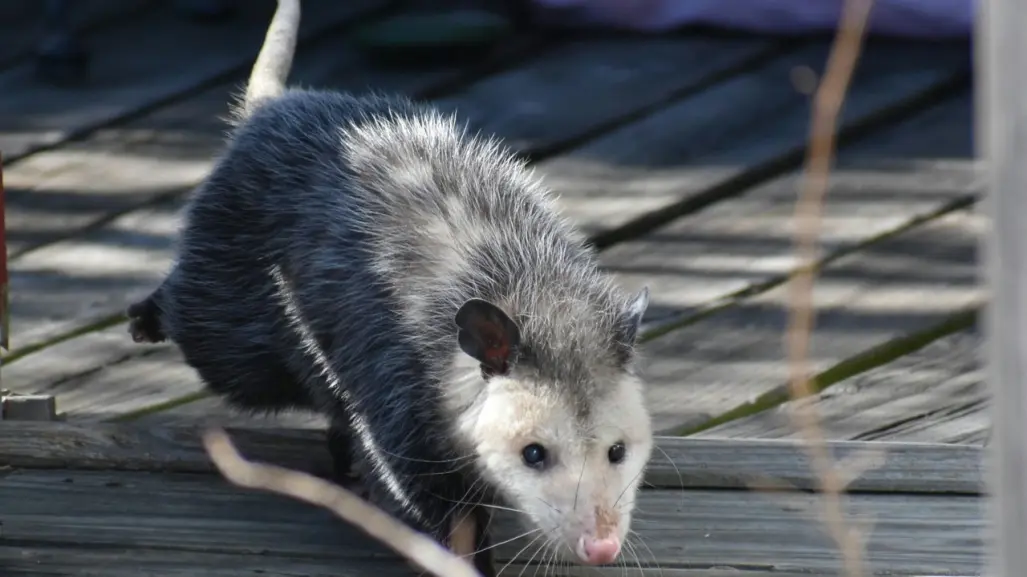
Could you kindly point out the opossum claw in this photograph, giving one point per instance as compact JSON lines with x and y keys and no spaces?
{"x":144,"y":324}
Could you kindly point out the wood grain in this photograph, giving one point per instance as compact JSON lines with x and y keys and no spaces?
{"x":741,"y":125}
{"x":52,"y":303}
{"x":912,"y":535}
{"x":675,"y":463}
{"x":586,"y":84}
{"x":909,"y":282}
{"x":880,"y":184}
{"x":140,"y":62}
{"x":67,"y":561}
{"x":171,"y":151}
{"x":934,"y":395}
{"x":172,"y":148}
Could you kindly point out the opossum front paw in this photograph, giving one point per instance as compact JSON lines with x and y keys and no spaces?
{"x":144,"y":322}
{"x":469,"y":538}
{"x":344,"y":468}
{"x":483,"y":560}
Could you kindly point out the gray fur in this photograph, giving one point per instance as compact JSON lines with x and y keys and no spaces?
{"x":322,"y":261}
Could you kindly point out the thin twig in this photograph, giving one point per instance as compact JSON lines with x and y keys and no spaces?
{"x":827,"y":103}
{"x":418,"y":548}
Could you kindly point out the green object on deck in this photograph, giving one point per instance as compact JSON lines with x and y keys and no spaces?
{"x":414,"y":38}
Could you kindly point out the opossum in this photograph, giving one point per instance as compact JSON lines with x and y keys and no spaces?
{"x":369,"y":258}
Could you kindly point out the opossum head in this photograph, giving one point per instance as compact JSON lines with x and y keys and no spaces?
{"x":559,"y":429}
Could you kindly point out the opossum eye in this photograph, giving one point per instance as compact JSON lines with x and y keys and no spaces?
{"x":616,"y":453}
{"x":534,"y":455}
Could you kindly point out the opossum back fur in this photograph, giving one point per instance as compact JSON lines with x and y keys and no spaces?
{"x":322,"y":261}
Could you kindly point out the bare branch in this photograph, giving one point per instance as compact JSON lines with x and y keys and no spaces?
{"x":419,"y":549}
{"x":827,"y":103}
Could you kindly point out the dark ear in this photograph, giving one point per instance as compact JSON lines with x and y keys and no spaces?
{"x":629,"y":323}
{"x":487,"y":334}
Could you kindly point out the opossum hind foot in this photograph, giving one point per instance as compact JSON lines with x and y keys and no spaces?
{"x":144,"y":321}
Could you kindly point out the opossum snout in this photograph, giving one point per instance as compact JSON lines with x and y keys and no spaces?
{"x":599,"y":542}
{"x":593,"y":551}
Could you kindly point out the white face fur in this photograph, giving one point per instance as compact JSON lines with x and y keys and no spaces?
{"x":574,"y":481}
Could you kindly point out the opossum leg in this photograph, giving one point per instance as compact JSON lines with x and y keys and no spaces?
{"x":483,"y":559}
{"x":469,"y":538}
{"x":145,"y":321}
{"x":344,"y":469}
{"x":463,"y":534}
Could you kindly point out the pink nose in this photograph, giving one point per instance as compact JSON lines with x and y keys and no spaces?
{"x":599,"y":551}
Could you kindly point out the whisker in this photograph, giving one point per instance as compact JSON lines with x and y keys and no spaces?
{"x":578,"y":489}
{"x":515,"y":555}
{"x":630,"y":548}
{"x":681,"y":478}
{"x":628,"y":486}
{"x":656,"y":560}
{"x":494,"y":545}
{"x":432,"y":461}
{"x":532,"y":558}
{"x":547,"y":559}
{"x":544,"y":502}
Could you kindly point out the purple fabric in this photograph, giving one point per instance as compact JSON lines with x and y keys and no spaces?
{"x":905,"y":18}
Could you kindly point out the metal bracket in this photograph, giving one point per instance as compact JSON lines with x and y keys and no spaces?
{"x":15,"y":407}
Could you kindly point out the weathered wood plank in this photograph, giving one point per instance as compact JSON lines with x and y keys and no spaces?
{"x":705,"y":147}
{"x":172,"y":148}
{"x":912,"y":535}
{"x":112,"y":179}
{"x":750,"y":235}
{"x":138,"y":269}
{"x":70,"y":561}
{"x":23,"y":19}
{"x":41,"y":282}
{"x":66,"y":561}
{"x":213,"y":411}
{"x":587,"y":84}
{"x":880,"y":184}
{"x":934,"y":395}
{"x":676,"y":462}
{"x":907,"y":283}
{"x":141,"y":62}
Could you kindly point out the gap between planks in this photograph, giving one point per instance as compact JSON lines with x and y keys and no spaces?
{"x":936,"y":394}
{"x":691,"y":463}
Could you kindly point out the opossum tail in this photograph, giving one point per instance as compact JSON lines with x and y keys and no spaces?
{"x":271,"y":69}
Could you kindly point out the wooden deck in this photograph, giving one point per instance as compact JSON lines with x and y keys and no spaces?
{"x":678,"y":154}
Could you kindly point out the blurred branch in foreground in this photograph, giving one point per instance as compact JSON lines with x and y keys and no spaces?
{"x":419,"y":549}
{"x":827,"y":103}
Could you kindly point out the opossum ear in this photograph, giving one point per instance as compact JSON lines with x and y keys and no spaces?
{"x":630,"y":321}
{"x":487,"y":334}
